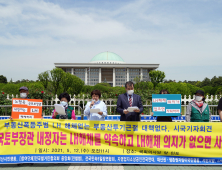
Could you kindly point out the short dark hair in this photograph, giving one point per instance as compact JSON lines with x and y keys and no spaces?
{"x":164,"y":91}
{"x":202,"y":93}
{"x":96,"y":92}
{"x":129,"y":83}
{"x":64,"y":95}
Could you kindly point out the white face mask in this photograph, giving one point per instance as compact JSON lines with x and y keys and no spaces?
{"x":130,"y":92}
{"x":23,"y":95}
{"x":63,"y":103}
{"x":198,"y":98}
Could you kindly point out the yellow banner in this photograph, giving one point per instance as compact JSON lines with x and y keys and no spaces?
{"x":161,"y":141}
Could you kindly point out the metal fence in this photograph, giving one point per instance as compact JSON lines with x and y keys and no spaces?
{"x":47,"y":110}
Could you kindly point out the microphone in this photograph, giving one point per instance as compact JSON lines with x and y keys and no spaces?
{"x":93,"y":103}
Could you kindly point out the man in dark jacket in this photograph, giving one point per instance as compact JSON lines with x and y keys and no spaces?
{"x":129,"y":99}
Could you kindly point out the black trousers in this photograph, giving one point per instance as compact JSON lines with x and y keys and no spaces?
{"x":164,"y":119}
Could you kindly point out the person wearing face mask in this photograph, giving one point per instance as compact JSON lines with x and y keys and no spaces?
{"x":129,"y":99}
{"x":70,"y":113}
{"x":198,"y":110}
{"x":96,"y":104}
{"x":24,"y":91}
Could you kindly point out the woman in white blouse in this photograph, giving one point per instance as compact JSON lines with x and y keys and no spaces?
{"x":96,"y":104}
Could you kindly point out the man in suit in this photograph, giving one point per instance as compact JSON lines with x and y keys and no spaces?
{"x":129,"y":99}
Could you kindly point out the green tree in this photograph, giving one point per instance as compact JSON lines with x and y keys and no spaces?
{"x":206,"y":82}
{"x":56,"y":76}
{"x":144,"y":85}
{"x":157,"y":77}
{"x":208,"y":90}
{"x":136,"y":79}
{"x":44,"y":78}
{"x":219,"y":91}
{"x":216,"y":81}
{"x":198,"y":84}
{"x":3,"y":79}
{"x":75,"y":85}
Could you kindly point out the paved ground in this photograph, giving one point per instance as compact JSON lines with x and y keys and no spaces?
{"x":103,"y":167}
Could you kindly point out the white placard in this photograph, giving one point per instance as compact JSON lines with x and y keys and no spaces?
{"x":22,"y":102}
{"x":173,"y":101}
{"x":159,"y":100}
{"x":172,"y":110}
{"x":34,"y":103}
{"x":19,"y":109}
{"x":34,"y":110}
{"x":94,"y":110}
{"x":159,"y":109}
{"x":26,"y":117}
{"x":60,"y":109}
{"x":131,"y":109}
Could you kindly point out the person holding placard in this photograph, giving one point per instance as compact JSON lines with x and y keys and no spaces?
{"x":69,"y":111}
{"x":23,"y":91}
{"x":163,"y":118}
{"x":129,"y":105}
{"x":96,"y":109}
{"x":198,"y":110}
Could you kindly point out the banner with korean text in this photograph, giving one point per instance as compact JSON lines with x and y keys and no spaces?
{"x":66,"y":141}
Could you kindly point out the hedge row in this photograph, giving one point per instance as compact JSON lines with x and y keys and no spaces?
{"x":142,"y":87}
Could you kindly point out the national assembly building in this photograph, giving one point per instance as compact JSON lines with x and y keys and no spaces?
{"x":110,"y":68}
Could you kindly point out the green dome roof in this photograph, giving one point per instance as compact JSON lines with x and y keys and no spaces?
{"x":107,"y":57}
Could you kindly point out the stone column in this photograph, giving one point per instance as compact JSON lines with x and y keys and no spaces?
{"x":72,"y":71}
{"x":100,"y":76}
{"x":141,"y":74}
{"x":86,"y":76}
{"x":148,"y":76}
{"x":127,"y":75}
{"x":114,"y":77}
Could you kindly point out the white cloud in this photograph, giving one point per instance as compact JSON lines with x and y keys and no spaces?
{"x":139,"y":31}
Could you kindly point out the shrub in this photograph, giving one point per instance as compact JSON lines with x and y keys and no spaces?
{"x":5,"y":101}
{"x":11,"y":88}
{"x":103,"y":89}
{"x":104,"y":84}
{"x":87,"y":89}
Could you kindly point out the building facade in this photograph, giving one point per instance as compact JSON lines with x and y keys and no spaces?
{"x":110,"y":68}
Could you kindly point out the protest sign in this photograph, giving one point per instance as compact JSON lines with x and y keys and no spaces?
{"x":26,"y":108}
{"x":166,"y":104}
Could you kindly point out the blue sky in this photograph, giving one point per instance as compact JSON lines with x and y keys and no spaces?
{"x":184,"y":37}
